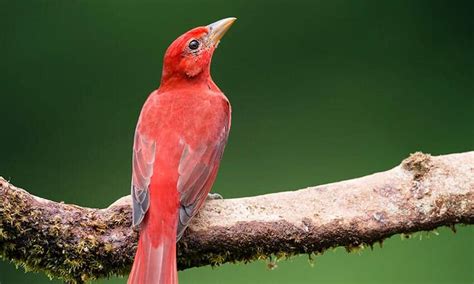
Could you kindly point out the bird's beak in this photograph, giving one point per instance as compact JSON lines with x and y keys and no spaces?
{"x":218,"y":29}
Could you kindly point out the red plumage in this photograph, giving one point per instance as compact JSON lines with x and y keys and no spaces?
{"x":179,"y":141}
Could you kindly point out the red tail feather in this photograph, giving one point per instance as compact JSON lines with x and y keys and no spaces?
{"x":154,"y":265}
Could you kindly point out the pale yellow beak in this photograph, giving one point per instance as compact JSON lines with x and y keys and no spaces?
{"x":218,"y":29}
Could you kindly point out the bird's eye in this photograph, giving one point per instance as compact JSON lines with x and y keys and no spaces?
{"x":194,"y":44}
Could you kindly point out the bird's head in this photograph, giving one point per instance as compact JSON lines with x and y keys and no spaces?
{"x":189,"y":56}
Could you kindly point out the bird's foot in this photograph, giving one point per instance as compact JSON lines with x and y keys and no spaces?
{"x":214,"y":196}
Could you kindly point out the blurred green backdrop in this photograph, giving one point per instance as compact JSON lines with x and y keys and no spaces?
{"x":322,"y":91}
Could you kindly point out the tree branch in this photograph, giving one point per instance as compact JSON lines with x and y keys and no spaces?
{"x":78,"y":244}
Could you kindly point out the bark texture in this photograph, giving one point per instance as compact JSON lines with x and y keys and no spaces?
{"x":77,"y":244}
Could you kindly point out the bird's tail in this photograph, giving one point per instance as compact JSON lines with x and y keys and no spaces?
{"x":155,"y":260}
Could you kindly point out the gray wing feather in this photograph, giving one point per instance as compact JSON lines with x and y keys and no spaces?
{"x":197,"y":171}
{"x":142,"y":168}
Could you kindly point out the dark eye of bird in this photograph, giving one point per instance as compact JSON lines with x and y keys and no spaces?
{"x":194,"y":44}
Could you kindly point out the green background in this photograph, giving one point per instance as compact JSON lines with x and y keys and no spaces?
{"x":321,"y":91}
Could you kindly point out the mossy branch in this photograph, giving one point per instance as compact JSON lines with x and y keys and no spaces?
{"x":77,"y":244}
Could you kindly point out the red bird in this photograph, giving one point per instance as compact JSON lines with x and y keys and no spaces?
{"x":179,"y":142}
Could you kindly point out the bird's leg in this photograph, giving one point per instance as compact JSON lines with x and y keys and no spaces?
{"x":214,"y":196}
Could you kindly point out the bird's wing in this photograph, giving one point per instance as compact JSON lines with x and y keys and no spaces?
{"x":197,"y":172}
{"x":142,"y":170}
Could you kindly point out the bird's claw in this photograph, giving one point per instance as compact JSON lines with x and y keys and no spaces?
{"x":214,"y":196}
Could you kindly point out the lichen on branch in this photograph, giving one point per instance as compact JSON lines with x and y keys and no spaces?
{"x":78,"y":244}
